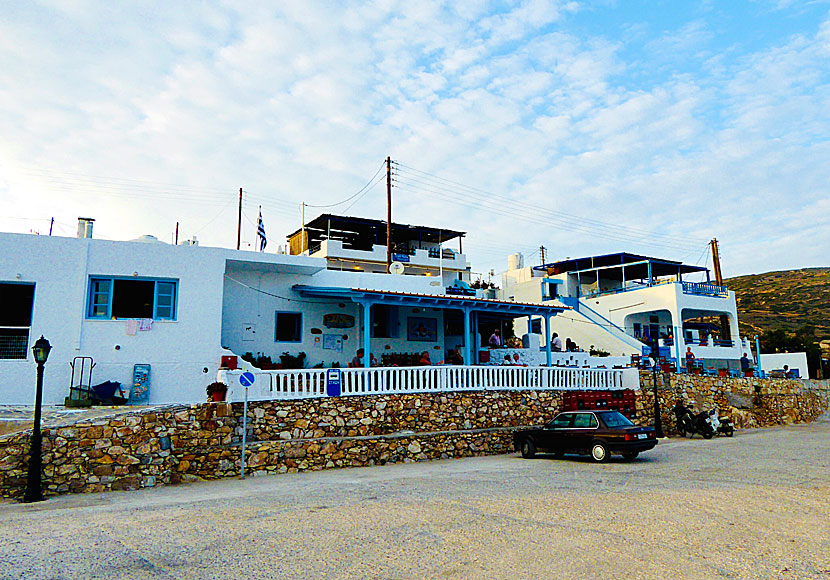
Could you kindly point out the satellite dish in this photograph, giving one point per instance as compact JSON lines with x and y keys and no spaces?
{"x":396,"y":268}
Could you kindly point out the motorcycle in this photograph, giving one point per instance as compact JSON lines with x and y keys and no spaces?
{"x":690,"y":423}
{"x":721,"y":425}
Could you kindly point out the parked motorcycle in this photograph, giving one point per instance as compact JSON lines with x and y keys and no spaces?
{"x":691,"y":423}
{"x":721,"y":425}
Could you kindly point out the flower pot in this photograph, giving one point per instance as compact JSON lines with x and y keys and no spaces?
{"x":217,"y":396}
{"x":723,"y":372}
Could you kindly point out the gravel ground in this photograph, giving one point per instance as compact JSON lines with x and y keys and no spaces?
{"x":754,"y":506}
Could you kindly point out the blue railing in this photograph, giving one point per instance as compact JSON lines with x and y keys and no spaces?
{"x":704,"y":289}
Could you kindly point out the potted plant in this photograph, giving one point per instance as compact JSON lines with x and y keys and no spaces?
{"x":216,"y":391}
{"x":723,"y":372}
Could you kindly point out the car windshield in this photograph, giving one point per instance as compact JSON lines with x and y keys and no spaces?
{"x":616,"y":419}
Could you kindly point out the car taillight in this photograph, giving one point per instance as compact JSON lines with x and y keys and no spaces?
{"x":629,"y":436}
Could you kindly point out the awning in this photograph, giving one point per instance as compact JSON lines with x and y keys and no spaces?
{"x":503,"y":307}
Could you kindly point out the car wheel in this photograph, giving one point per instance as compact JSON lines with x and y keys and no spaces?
{"x":599,"y":452}
{"x":630,"y":455}
{"x":528,"y":449}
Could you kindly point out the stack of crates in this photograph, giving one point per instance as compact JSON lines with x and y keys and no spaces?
{"x":622,"y":401}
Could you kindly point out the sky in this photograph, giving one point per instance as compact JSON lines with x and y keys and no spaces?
{"x":584,"y":127}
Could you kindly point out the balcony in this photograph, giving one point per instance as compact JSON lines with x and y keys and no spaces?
{"x":705,"y":289}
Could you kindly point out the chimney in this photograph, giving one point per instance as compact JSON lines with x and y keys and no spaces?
{"x":85,"y":227}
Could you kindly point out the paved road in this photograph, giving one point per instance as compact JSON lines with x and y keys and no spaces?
{"x":755,"y":506}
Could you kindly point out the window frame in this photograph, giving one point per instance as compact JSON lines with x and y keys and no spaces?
{"x":93,"y":292}
{"x":20,"y":329}
{"x":299,"y":326}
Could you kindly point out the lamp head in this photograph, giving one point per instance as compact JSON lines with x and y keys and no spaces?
{"x":41,"y":350}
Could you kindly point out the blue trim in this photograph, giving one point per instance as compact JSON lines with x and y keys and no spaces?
{"x":93,"y":291}
{"x":299,"y":326}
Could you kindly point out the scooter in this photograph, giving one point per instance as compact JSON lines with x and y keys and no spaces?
{"x":721,"y":425}
{"x":689,"y":424}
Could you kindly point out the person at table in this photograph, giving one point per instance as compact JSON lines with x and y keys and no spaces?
{"x":357,"y":361}
{"x":745,"y":364}
{"x":556,"y":343}
{"x":516,"y":361}
{"x":495,"y":339}
{"x":454,"y":357}
{"x":424,"y":360}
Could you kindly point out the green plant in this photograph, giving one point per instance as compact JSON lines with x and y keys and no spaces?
{"x":598,"y":352}
{"x":290,"y":361}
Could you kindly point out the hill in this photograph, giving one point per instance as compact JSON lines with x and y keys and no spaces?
{"x":784,"y":300}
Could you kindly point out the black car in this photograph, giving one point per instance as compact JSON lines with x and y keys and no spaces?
{"x":594,"y":433}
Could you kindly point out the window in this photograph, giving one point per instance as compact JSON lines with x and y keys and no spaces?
{"x":132,"y":298}
{"x":562,"y":421}
{"x":585,"y":421}
{"x":384,"y":321}
{"x":289,"y":327}
{"x":16,"y":301}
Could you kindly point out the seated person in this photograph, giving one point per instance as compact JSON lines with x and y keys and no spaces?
{"x":507,"y":361}
{"x":424,"y":360}
{"x":357,"y":361}
{"x":516,"y":360}
{"x":454,"y":357}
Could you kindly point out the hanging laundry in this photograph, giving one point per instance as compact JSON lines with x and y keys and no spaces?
{"x":145,"y":324}
{"x":132,"y":327}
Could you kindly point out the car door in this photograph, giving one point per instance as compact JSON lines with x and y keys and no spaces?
{"x":583,"y":431}
{"x":555,"y":435}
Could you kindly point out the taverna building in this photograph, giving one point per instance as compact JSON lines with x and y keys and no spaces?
{"x":159,"y":318}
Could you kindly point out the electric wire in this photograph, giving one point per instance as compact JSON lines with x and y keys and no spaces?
{"x":560,"y":215}
{"x":351,"y":197}
{"x":416,"y":178}
{"x":524,"y":216}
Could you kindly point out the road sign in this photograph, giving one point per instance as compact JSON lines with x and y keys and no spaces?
{"x":247,"y":379}
{"x":333,"y":382}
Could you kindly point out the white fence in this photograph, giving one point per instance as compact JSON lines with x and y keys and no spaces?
{"x":310,"y":383}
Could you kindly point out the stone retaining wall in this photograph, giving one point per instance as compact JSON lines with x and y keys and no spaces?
{"x":750,"y":402}
{"x":151,"y":447}
{"x":161,"y":446}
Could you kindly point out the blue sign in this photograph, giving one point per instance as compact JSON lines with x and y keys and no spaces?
{"x":247,"y":379}
{"x":333,"y":382}
{"x":401,"y":257}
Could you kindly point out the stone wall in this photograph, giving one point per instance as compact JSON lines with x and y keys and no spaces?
{"x":168,"y":445}
{"x":750,"y":402}
{"x":151,"y":447}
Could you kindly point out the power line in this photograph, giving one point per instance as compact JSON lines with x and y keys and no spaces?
{"x":351,"y":197}
{"x":424,"y":178}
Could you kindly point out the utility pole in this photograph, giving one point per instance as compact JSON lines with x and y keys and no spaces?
{"x":725,"y":330}
{"x":239,"y":223}
{"x":542,"y":251}
{"x":176,"y":241}
{"x":388,"y":214}
{"x":51,"y":225}
{"x":302,"y":229}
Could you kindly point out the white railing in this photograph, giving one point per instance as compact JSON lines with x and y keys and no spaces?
{"x":310,"y":383}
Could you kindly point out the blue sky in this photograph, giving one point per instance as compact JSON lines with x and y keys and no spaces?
{"x":586,"y":127}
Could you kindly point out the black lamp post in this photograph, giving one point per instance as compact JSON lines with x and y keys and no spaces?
{"x":33,"y":484}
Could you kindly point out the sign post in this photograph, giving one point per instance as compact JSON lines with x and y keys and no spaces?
{"x":246,"y":379}
{"x":333,"y":382}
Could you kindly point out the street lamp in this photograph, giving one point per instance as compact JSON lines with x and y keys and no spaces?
{"x":33,"y":485}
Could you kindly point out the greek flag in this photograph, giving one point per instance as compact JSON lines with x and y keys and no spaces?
{"x":260,"y":232}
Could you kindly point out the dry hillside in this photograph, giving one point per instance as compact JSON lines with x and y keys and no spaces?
{"x":783,"y":300}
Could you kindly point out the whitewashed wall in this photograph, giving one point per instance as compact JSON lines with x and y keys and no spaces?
{"x":178,"y":351}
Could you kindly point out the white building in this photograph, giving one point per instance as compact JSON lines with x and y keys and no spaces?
{"x":621,"y":302}
{"x":130,"y":307}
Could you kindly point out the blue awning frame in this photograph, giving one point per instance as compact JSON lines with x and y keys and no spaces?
{"x":470,"y":307}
